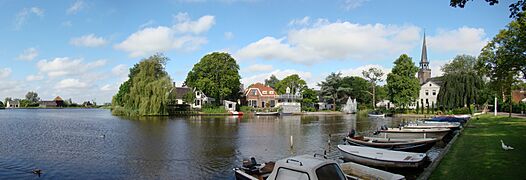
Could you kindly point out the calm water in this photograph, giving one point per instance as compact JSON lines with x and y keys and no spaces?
{"x":93,"y":144}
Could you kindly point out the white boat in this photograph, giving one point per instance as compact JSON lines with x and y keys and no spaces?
{"x":437,"y":133}
{"x":382,"y":157}
{"x":409,"y":145}
{"x":432,"y":124}
{"x":376,"y":115}
{"x":365,"y":172}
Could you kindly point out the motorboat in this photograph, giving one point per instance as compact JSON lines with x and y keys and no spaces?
{"x":409,"y":145}
{"x":377,"y":157}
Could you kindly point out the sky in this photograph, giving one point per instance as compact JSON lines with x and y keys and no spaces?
{"x":83,"y":49}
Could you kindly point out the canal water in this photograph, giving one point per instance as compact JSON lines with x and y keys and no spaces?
{"x":93,"y":144}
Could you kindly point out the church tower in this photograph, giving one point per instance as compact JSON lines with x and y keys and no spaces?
{"x":424,"y":73}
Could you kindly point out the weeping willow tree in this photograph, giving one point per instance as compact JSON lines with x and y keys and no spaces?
{"x":147,"y":91}
{"x":461,"y":85}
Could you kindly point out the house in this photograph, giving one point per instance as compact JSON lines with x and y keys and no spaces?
{"x":290,"y":102}
{"x":57,"y":102}
{"x":323,"y":102}
{"x":200,"y":97}
{"x":229,"y":105}
{"x":260,"y":96}
{"x":12,"y":104}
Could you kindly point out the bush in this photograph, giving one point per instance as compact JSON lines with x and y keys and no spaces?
{"x":246,"y":109}
{"x":213,"y":109}
{"x":308,"y":109}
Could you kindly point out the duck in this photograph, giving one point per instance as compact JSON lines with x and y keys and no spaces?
{"x":505,"y":147}
{"x":37,"y":171}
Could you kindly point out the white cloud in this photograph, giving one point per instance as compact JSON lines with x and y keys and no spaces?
{"x":258,"y":68}
{"x":22,"y":16}
{"x":300,"y":22}
{"x":70,"y":83}
{"x":34,"y":77}
{"x":89,"y":40}
{"x":182,"y":36}
{"x":5,"y":72}
{"x":324,"y":41}
{"x":352,"y":4}
{"x":464,"y":40}
{"x":229,"y":35}
{"x":280,"y":74}
{"x":66,"y":66}
{"x":186,"y":25}
{"x":76,"y":7}
{"x":358,"y":70}
{"x":147,"y":24}
{"x":436,"y":67}
{"x":121,"y":71}
{"x":28,"y":54}
{"x":110,"y":87}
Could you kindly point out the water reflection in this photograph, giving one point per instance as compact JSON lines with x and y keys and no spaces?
{"x":93,"y":144}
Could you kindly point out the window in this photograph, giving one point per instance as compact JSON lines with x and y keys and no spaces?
{"x":272,"y":103}
{"x":253,"y":103}
{"x":427,"y":92}
{"x":230,"y":106}
{"x":285,"y":174}
{"x":430,"y":84}
{"x":198,"y":93}
{"x":329,"y":171}
{"x":254,"y":92}
{"x":197,"y":102}
{"x":271,"y":92}
{"x":434,"y":92}
{"x":264,"y":92}
{"x":262,"y":103}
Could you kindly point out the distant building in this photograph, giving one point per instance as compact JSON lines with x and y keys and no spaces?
{"x":290,"y":102}
{"x":259,"y":96}
{"x":518,"y":96}
{"x":12,"y":104}
{"x":429,"y":87}
{"x":57,"y":102}
{"x":200,"y":97}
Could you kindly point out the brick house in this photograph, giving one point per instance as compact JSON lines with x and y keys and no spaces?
{"x":258,"y":96}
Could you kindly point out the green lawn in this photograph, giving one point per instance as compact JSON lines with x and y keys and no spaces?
{"x":477,"y":153}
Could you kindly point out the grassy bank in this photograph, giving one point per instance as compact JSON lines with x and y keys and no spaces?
{"x":478,"y":154}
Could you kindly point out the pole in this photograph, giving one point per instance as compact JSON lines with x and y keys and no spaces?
{"x":495,"y":112}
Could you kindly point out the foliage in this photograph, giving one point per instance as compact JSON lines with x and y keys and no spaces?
{"x":246,"y":109}
{"x":294,"y":82}
{"x":147,"y":92}
{"x":211,"y":109}
{"x":32,"y":97}
{"x":216,"y":74}
{"x":356,"y":88}
{"x":417,"y":106}
{"x":309,"y":99}
{"x":331,"y":87}
{"x":381,"y":93}
{"x":504,"y":57}
{"x":1,"y":104}
{"x":461,"y":63}
{"x":516,"y":9}
{"x":272,"y":81}
{"x":374,"y":75}
{"x":189,"y":97}
{"x":402,"y":85}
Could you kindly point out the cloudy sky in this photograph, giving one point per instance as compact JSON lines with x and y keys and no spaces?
{"x":83,"y":49}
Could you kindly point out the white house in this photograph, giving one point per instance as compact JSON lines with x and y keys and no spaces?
{"x":429,"y":87}
{"x":200,"y":97}
{"x":12,"y":104}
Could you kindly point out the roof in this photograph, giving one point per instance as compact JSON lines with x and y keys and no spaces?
{"x":181,"y":91}
{"x":423,"y":58}
{"x":48,"y":103}
{"x":305,"y":163}
{"x":437,"y":80}
{"x":261,"y":87}
{"x":58,"y":98}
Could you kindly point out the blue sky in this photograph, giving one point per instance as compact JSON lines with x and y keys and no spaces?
{"x":82,"y":49}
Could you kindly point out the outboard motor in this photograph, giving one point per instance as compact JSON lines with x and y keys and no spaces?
{"x":352,"y":133}
{"x":250,"y":165}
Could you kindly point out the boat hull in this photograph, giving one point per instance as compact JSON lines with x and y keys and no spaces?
{"x":379,"y":162}
{"x":417,"y":134}
{"x":408,"y":146}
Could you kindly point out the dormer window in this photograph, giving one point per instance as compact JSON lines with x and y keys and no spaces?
{"x":264,"y":92}
{"x":254,"y":92}
{"x":427,"y":92}
{"x":430,"y":84}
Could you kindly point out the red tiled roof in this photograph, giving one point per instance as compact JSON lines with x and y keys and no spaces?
{"x":261,"y":87}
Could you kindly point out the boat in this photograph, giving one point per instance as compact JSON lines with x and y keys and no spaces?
{"x":404,"y":133}
{"x":377,"y":114}
{"x":365,"y":172}
{"x":297,"y":167}
{"x":267,"y":113}
{"x":409,"y":145}
{"x":236,"y":113}
{"x":456,"y":118}
{"x":432,"y":124}
{"x":377,"y":157}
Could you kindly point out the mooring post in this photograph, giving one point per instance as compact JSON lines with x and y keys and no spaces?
{"x":291,"y":142}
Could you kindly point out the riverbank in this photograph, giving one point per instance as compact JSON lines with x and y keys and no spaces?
{"x":477,"y":153}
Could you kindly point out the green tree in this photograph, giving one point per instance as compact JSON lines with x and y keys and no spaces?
{"x":356,"y":88}
{"x":331,"y":87}
{"x":309,"y":99}
{"x":147,"y":92}
{"x":374,"y":75}
{"x":402,"y":84}
{"x":217,"y":75}
{"x":272,"y":81}
{"x":32,"y":97}
{"x":294,"y":82}
{"x":516,"y":9}
{"x":2,"y":104}
{"x":189,"y":97}
{"x":503,"y":59}
{"x":460,"y":83}
{"x":381,"y":93}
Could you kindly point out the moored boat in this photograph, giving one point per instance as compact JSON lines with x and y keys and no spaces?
{"x":404,"y":133}
{"x":365,"y":172}
{"x":382,"y":157}
{"x":377,"y":114}
{"x":409,"y":145}
{"x":456,"y":118}
{"x":432,"y":124}
{"x":267,"y":113}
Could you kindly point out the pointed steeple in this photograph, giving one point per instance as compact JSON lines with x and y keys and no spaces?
{"x":424,"y":63}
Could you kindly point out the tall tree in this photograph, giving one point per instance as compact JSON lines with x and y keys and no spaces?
{"x":272,"y":81}
{"x":374,"y":75}
{"x":356,"y":88}
{"x":402,"y":84}
{"x":147,"y":92}
{"x":516,"y":9}
{"x":217,"y":75}
{"x":32,"y":97}
{"x":294,"y":82}
{"x":331,"y":87}
{"x":503,"y":59}
{"x":309,"y":98}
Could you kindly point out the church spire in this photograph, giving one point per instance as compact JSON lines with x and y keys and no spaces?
{"x":424,"y":63}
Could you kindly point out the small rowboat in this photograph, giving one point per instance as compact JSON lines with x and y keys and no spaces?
{"x":457,"y":118}
{"x":376,"y":115}
{"x":365,"y":172}
{"x":267,"y":113}
{"x":409,"y":145}
{"x":403,"y":133}
{"x":382,"y":157}
{"x":236,"y":113}
{"x":432,"y":124}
